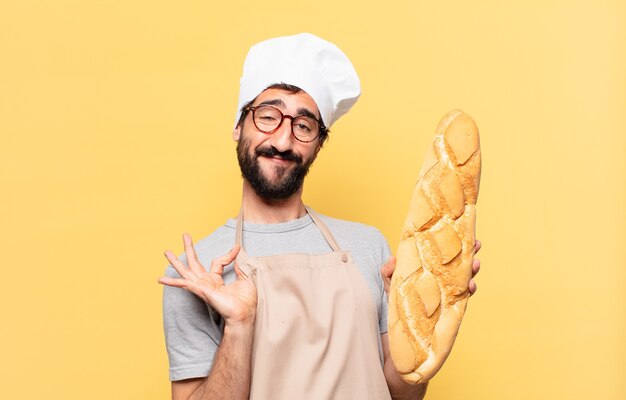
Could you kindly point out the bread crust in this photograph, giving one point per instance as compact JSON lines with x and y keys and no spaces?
{"x":429,"y":288}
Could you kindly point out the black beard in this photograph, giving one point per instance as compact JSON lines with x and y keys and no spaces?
{"x":286,"y":183}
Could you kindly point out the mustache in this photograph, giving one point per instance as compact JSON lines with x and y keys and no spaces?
{"x":272,"y":152}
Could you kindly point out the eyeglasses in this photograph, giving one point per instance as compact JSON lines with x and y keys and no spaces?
{"x":268,"y":119}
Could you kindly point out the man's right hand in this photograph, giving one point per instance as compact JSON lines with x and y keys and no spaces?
{"x":236,"y":302}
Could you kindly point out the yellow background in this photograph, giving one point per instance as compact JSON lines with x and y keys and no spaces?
{"x":115,"y":123}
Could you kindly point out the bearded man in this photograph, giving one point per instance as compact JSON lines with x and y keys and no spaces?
{"x":281,"y":302}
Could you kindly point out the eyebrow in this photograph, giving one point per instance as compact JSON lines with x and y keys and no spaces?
{"x":306,"y":112}
{"x":279,"y":102}
{"x":272,"y":102}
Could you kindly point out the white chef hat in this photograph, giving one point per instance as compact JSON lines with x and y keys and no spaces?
{"x":314,"y":65}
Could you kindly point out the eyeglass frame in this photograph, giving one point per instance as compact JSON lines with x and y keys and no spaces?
{"x":322,"y":128}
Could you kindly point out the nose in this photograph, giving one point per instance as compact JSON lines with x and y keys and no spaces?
{"x":282,"y":139}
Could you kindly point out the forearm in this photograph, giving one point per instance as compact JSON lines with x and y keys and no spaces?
{"x":230,"y":375}
{"x":398,"y":388}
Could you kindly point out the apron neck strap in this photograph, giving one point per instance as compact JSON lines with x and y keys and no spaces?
{"x":239,"y":231}
{"x":323,"y":228}
{"x":314,"y":216}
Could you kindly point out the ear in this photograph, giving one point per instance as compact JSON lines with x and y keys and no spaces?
{"x":237,"y":133}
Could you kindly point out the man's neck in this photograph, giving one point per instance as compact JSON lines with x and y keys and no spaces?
{"x":257,"y":210}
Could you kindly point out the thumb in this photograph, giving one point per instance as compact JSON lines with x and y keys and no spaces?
{"x":240,"y":274}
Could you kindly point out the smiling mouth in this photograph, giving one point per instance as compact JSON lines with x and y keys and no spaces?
{"x":277,"y":159}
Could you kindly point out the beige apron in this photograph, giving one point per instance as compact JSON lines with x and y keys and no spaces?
{"x":316,"y":329}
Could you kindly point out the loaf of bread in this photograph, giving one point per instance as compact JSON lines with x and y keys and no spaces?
{"x":429,"y":288}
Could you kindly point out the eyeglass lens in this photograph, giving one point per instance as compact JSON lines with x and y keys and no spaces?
{"x":267,"y":119}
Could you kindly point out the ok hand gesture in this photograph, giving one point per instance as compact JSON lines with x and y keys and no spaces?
{"x":236,"y":302}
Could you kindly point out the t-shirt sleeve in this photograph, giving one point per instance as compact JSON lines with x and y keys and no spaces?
{"x":192,"y":332}
{"x":386,"y":253}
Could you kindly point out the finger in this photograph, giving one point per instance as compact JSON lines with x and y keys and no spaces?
{"x":192,"y":257}
{"x":388,"y":268}
{"x":217,"y":265}
{"x":387,"y":271}
{"x":472,"y":287}
{"x":186,"y":284}
{"x":477,"y":246}
{"x":475,"y":267}
{"x":174,"y":282}
{"x":179,"y":266}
